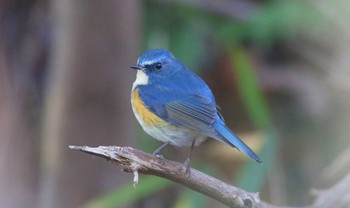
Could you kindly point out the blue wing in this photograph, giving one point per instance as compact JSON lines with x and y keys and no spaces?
{"x":193,"y":113}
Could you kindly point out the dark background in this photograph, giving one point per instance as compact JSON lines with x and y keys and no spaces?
{"x":279,"y":70}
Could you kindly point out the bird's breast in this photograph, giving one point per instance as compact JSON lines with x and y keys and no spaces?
{"x":142,"y":113}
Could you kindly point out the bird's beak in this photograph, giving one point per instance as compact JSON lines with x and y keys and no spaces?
{"x":135,"y":66}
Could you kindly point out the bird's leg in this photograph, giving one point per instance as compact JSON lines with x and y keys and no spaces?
{"x":187,"y":161}
{"x":156,"y":152}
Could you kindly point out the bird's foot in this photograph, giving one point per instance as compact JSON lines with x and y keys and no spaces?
{"x":188,"y":168}
{"x":161,"y":157}
{"x":156,"y":152}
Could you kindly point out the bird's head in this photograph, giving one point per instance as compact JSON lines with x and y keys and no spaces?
{"x":154,"y":65}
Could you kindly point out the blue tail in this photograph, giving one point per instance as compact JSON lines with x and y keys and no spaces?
{"x":228,"y":137}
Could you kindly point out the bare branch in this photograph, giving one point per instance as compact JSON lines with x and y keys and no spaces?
{"x":136,"y":161}
{"x":133,"y":160}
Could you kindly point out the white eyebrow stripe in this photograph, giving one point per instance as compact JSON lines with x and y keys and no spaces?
{"x":148,"y":62}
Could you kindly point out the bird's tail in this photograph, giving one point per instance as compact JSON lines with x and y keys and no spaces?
{"x":231,"y":139}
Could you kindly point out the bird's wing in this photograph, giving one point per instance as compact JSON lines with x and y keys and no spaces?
{"x":193,"y":112}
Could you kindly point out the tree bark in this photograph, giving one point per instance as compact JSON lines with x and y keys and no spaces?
{"x":22,"y":52}
{"x":88,"y":96}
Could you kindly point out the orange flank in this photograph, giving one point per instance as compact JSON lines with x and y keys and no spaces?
{"x":144,"y":113}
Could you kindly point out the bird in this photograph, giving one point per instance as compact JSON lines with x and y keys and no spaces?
{"x":176,"y":107}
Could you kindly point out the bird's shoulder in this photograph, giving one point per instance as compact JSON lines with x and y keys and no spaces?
{"x":183,"y":85}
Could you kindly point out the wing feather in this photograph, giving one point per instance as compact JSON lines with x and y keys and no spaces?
{"x":192,"y":114}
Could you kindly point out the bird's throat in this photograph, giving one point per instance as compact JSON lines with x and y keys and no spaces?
{"x":141,"y":79}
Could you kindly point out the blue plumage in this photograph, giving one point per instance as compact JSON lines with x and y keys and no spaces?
{"x":183,"y":102}
{"x":228,"y":137}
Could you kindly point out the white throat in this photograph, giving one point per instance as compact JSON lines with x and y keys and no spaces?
{"x":141,"y":79}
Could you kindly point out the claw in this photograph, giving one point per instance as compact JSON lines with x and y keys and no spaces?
{"x":156,"y":152}
{"x":188,"y":168}
{"x":161,"y":157}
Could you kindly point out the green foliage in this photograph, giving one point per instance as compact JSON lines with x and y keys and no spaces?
{"x":281,"y":20}
{"x":191,"y":199}
{"x":251,"y":176}
{"x":126,"y":194}
{"x":170,"y":27}
{"x":249,"y":89}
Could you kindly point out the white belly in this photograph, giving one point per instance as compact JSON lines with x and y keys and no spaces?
{"x":177,"y":136}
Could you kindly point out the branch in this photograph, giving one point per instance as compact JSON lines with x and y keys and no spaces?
{"x":136,"y":161}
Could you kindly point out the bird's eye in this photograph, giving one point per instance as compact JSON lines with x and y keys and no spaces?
{"x":158,"y":65}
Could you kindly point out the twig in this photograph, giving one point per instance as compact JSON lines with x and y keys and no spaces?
{"x":136,"y":161}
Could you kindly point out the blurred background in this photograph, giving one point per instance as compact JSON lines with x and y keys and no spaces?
{"x":279,"y":70}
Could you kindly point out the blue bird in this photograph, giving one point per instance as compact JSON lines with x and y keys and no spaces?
{"x":176,"y":106}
